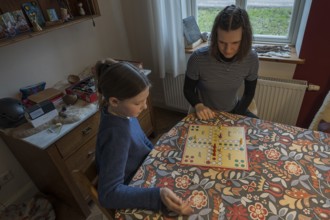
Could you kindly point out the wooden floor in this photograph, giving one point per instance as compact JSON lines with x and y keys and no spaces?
{"x":164,"y":121}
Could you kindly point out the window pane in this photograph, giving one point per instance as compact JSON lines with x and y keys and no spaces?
{"x":207,"y":10}
{"x":269,"y":17}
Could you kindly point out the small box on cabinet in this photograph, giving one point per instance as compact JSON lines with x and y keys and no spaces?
{"x":84,"y":89}
{"x":41,"y":113}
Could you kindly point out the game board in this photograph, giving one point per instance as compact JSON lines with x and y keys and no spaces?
{"x":216,"y":146}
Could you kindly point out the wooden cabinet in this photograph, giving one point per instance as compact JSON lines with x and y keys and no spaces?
{"x":146,"y":119}
{"x":51,"y":167}
{"x":90,"y":7}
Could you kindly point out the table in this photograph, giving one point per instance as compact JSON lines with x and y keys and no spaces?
{"x":289,"y":176}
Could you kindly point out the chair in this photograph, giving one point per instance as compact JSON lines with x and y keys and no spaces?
{"x":322,"y":115}
{"x":253,"y":107}
{"x":84,"y":181}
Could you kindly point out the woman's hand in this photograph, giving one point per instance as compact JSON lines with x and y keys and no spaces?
{"x":203,"y":112}
{"x":174,"y":203}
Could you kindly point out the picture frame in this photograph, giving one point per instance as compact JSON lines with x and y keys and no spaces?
{"x":9,"y":23}
{"x":52,"y":15}
{"x":21,"y":23}
{"x":3,"y":29}
{"x":33,"y":12}
{"x":191,"y":30}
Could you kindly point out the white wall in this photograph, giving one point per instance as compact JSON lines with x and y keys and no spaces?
{"x":51,"y":57}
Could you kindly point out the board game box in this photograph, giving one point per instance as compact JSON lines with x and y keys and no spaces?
{"x":84,"y":89}
{"x":216,"y":146}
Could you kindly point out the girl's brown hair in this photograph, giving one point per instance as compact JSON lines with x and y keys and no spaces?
{"x":121,"y":80}
{"x":231,"y":18}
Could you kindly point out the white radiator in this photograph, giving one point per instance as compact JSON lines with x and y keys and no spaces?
{"x":278,"y":100}
{"x":173,"y":90}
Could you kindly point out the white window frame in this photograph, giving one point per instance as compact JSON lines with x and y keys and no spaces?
{"x":296,"y":19}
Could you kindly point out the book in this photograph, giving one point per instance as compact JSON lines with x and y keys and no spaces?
{"x":3,"y":29}
{"x":191,"y":30}
{"x":9,"y":23}
{"x":52,"y":14}
{"x":21,"y":23}
{"x":47,"y":94}
{"x":33,"y":12}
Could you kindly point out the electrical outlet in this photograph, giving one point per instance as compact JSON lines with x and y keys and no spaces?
{"x":5,"y":177}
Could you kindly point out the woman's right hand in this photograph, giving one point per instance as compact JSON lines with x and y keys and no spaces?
{"x":203,"y":112}
{"x":174,"y":203}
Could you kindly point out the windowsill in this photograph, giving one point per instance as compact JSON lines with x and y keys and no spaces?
{"x":294,"y":59}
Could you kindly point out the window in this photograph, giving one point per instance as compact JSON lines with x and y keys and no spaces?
{"x":273,"y":21}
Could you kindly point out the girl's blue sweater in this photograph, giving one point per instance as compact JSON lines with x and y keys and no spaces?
{"x":120,"y":150}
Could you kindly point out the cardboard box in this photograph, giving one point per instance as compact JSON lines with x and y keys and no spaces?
{"x":41,"y":113}
{"x":84,"y":89}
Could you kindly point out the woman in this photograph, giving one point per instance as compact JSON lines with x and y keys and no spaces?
{"x":215,"y":73}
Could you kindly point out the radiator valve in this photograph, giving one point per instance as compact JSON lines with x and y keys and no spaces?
{"x":312,"y":87}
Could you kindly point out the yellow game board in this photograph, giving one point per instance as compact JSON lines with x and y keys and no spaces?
{"x":216,"y":146}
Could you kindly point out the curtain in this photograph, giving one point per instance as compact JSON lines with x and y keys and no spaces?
{"x":167,"y":42}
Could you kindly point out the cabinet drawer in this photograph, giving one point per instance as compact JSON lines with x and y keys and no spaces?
{"x":81,"y":159}
{"x":71,"y":142}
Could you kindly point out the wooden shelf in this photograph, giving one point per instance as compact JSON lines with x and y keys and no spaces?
{"x":91,"y":8}
{"x":45,"y":30}
{"x":294,"y":59}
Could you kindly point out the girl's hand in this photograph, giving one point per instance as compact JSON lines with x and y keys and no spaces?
{"x":174,"y":203}
{"x":203,"y":112}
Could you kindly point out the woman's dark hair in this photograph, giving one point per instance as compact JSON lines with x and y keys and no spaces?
{"x":121,"y":80}
{"x":231,"y":18}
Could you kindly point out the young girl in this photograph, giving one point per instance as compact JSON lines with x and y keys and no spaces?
{"x":122,"y":145}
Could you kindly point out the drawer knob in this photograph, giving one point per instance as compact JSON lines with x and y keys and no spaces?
{"x":90,"y":154}
{"x":86,"y":131}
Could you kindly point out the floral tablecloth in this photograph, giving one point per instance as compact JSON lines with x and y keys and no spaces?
{"x":289,"y":176}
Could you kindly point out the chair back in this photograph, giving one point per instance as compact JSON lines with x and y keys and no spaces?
{"x":85,"y":182}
